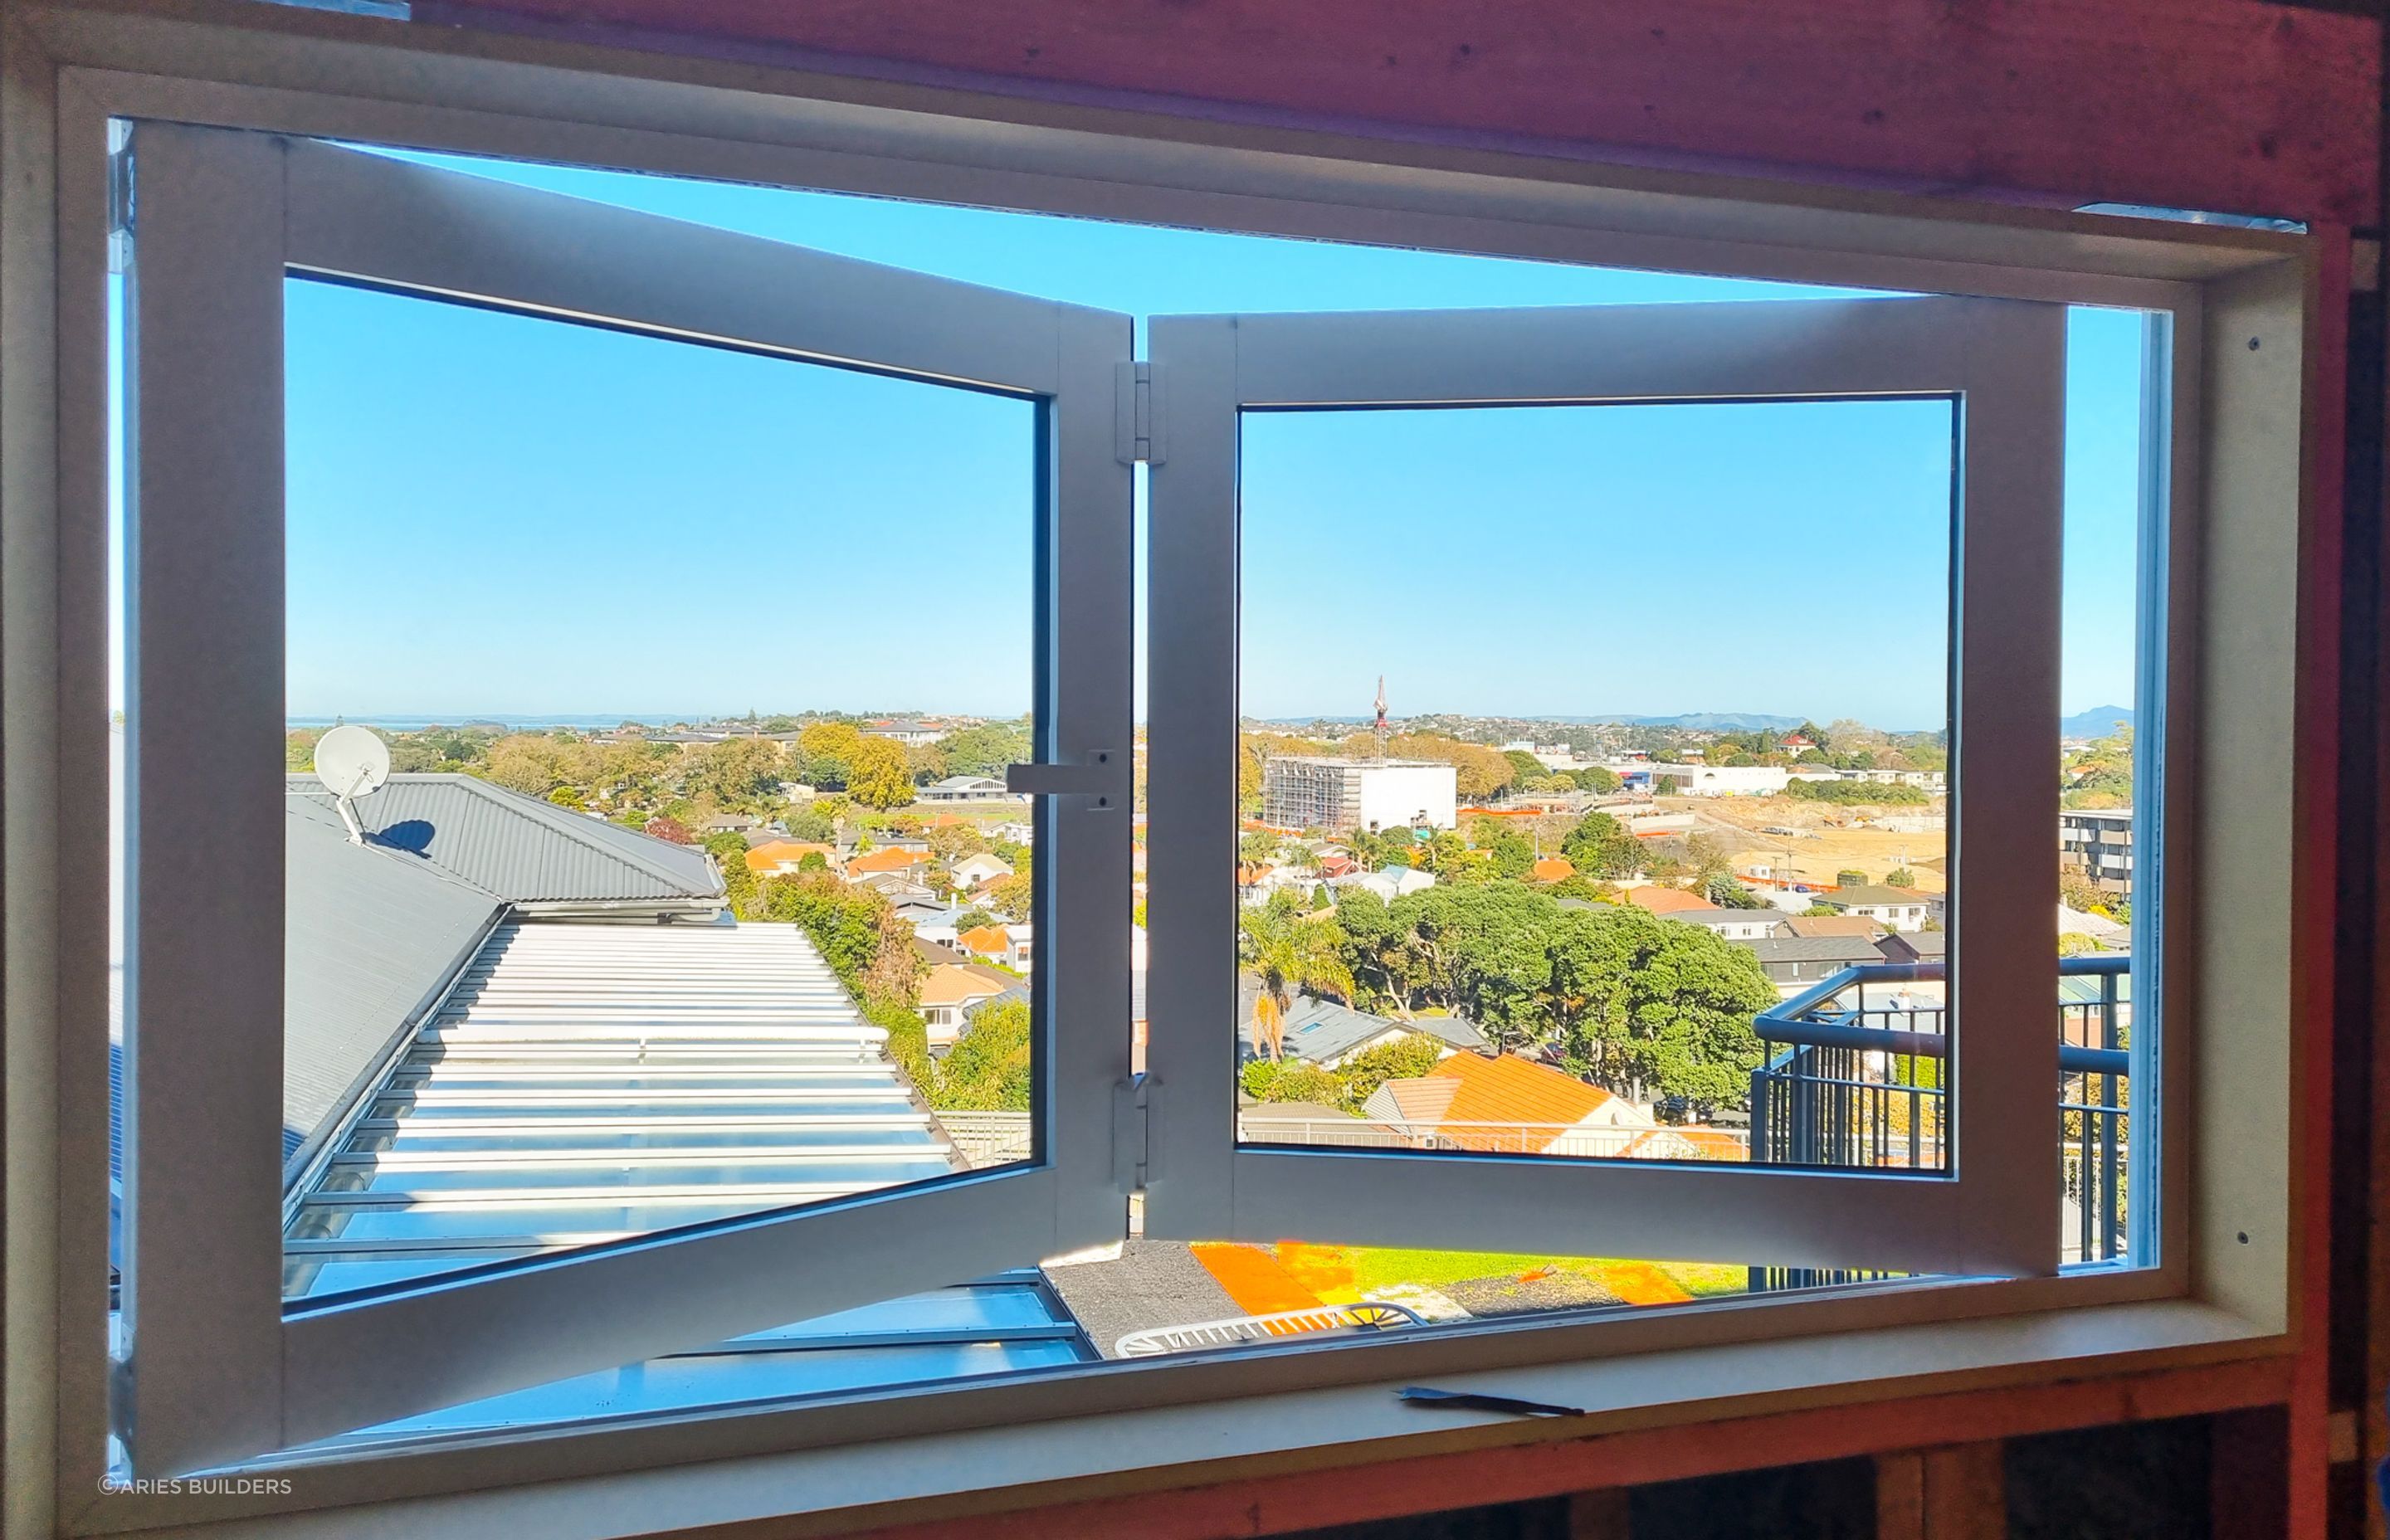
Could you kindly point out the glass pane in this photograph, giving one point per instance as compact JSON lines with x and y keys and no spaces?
{"x":2107,"y":845}
{"x":673,"y":905}
{"x":1595,"y":767}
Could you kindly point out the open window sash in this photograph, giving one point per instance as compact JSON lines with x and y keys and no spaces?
{"x":1995,"y":1208}
{"x":220,"y":1369}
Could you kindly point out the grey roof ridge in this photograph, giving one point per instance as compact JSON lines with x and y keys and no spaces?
{"x":415,"y":862}
{"x":572,"y":827}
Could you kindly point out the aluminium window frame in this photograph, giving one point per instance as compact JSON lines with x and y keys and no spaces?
{"x":222,"y":1366}
{"x":1994,"y":1208}
{"x":2233,"y":465}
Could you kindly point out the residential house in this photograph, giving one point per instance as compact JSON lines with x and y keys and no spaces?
{"x":1831,"y":924}
{"x":973,"y":870}
{"x":1394,"y":882}
{"x":1929,"y":946}
{"x":1733,"y":924}
{"x":1793,"y":963}
{"x":1505,"y":1104}
{"x":888,"y":858}
{"x":1666,"y":901}
{"x":963,"y":789}
{"x":1894,"y":908}
{"x":950,"y":993}
{"x":414,"y":959}
{"x":776,"y":857}
{"x":729,"y":823}
{"x":907,"y":731}
{"x":2100,"y":928}
{"x":1004,"y":943}
{"x":1328,"y":1033}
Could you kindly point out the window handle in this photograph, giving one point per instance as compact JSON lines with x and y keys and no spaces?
{"x":1097,"y":775}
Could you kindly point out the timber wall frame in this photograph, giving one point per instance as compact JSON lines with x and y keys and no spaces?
{"x":2311,"y":83}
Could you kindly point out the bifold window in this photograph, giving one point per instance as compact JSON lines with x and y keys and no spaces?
{"x":755,"y":932}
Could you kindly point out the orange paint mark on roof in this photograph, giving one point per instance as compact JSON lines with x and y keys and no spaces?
{"x":1641,"y":1283}
{"x":1252,"y":1277}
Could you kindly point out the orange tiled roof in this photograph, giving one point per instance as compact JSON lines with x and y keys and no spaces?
{"x":984,"y":938}
{"x":890,"y":860}
{"x":949,"y":985}
{"x":1510,"y":1089}
{"x":1666,"y":901}
{"x":1551,"y":869}
{"x":773,"y":853}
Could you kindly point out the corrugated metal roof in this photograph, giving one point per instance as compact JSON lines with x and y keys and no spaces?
{"x":518,"y":848}
{"x":371,"y":936}
{"x":587,"y":1081}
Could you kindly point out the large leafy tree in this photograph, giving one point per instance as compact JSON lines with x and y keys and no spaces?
{"x":1288,"y":950}
{"x":877,"y":774}
{"x":1600,"y":847}
{"x":1641,"y":1005}
{"x":827,"y":747}
{"x":737,"y":771}
{"x":986,"y":749}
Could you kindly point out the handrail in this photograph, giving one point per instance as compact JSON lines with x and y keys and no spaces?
{"x":1790,"y":1024}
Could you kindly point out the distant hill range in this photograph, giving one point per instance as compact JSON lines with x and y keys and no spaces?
{"x":1707,"y":722}
{"x":2099,"y":722}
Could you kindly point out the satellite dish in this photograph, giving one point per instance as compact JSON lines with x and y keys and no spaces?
{"x":352,"y":763}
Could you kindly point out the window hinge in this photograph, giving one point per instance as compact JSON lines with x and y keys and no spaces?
{"x":1133,"y":1133}
{"x":119,"y":195}
{"x":1137,"y":412}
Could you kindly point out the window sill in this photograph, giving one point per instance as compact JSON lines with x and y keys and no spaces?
{"x":1113,"y":1457}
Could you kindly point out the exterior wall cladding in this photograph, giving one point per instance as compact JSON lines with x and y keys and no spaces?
{"x":1341,"y":795}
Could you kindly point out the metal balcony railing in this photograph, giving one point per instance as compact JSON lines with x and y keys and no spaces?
{"x":1858,"y":1081}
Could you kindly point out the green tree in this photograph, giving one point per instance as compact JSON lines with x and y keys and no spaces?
{"x":299,"y":749}
{"x":827,"y":747}
{"x":1524,"y":766}
{"x":876,"y":774}
{"x":736,"y":773}
{"x":1900,"y":877}
{"x":1599,"y":847}
{"x":1407,"y":1057}
{"x":1289,"y":952}
{"x":1013,"y":896}
{"x":987,"y":1069}
{"x":1512,"y":856}
{"x":985,"y":749}
{"x":1598,"y":779}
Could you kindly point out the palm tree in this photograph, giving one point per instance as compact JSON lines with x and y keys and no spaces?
{"x":1289,"y":952}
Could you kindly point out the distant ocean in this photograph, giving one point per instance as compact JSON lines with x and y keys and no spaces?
{"x":413,"y":724}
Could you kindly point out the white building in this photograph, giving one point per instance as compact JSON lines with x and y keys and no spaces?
{"x":964,"y":789}
{"x":1723,"y":780}
{"x":1894,"y":908}
{"x":907,"y":731}
{"x":1394,"y":882}
{"x":1341,"y":795}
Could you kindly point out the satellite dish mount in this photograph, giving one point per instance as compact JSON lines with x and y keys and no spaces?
{"x":352,"y":762}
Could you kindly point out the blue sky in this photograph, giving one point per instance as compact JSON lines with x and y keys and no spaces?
{"x":494,"y":515}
